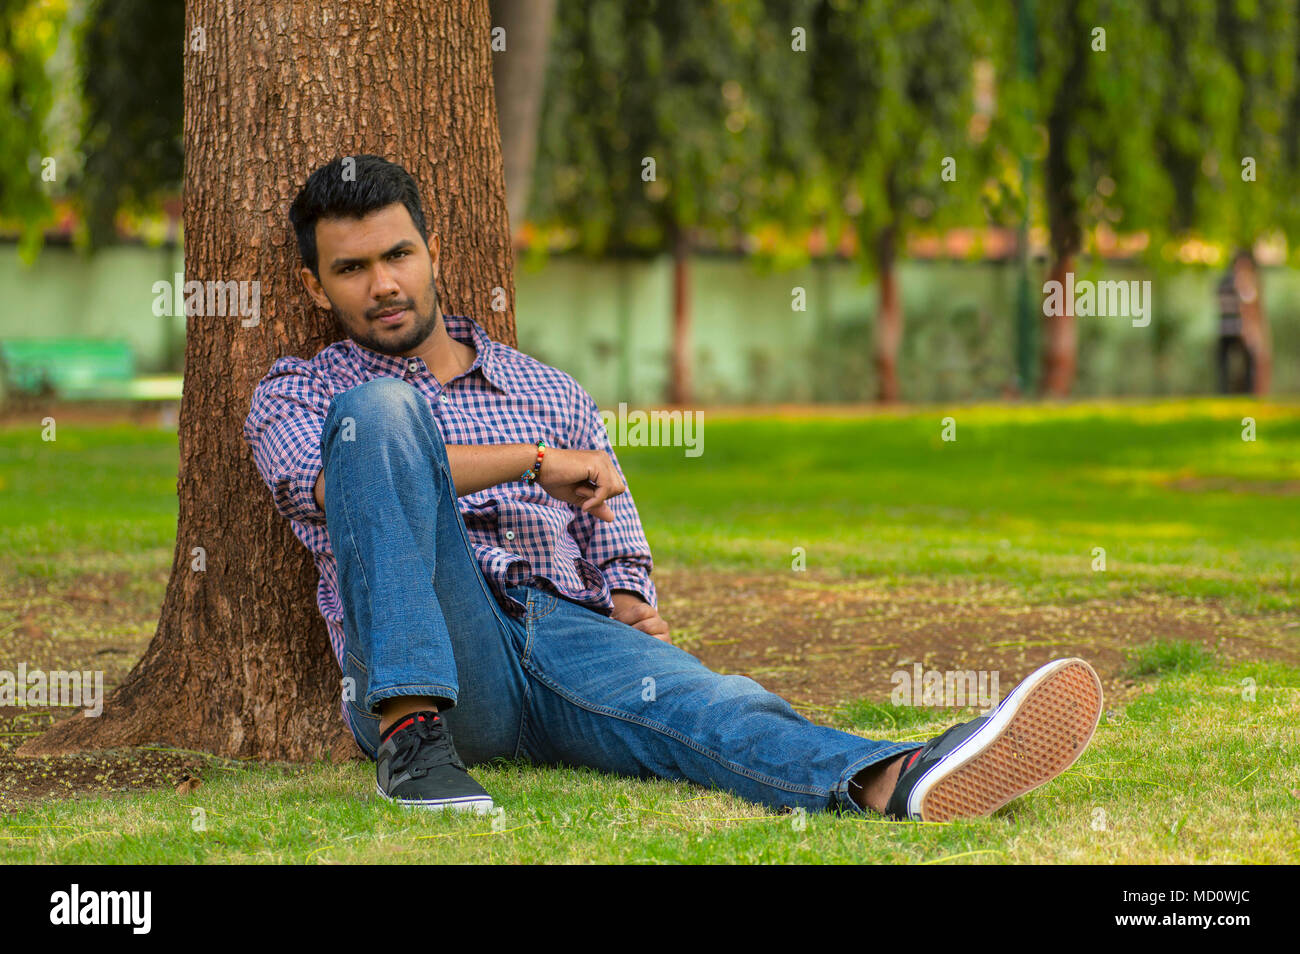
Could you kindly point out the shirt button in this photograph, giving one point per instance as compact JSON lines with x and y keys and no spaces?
{"x":442,"y":398}
{"x":413,"y":366}
{"x":510,"y":534}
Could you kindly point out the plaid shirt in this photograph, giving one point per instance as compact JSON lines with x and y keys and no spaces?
{"x":520,"y":534}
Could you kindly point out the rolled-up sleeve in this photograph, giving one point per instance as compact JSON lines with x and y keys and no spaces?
{"x":283,"y":428}
{"x":620,"y":548}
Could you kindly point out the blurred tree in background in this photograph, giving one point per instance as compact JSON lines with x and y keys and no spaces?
{"x":1162,"y":129}
{"x":898,"y":136}
{"x":29,"y":32}
{"x":133,"y":68}
{"x":663,"y":123}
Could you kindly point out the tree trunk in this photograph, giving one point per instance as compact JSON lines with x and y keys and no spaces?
{"x":240,"y":664}
{"x":1059,"y":353}
{"x":519,"y":74}
{"x":680,"y":388}
{"x":1254,"y":327}
{"x":1060,"y":345}
{"x":889,"y":319}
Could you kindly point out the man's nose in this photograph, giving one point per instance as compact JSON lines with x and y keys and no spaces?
{"x":383,"y":284}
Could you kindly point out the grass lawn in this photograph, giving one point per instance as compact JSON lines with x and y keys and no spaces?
{"x":818,"y":554}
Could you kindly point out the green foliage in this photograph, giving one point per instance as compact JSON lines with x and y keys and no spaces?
{"x":29,"y":32}
{"x":711,"y":92}
{"x":134,"y":81}
{"x":894,"y":94}
{"x":1150,"y":133}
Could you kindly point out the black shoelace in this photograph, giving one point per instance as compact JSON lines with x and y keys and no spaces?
{"x":423,"y":746}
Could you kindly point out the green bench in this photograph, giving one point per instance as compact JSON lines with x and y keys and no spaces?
{"x":79,"y":369}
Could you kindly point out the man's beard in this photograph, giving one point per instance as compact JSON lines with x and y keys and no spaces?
{"x":421,"y":327}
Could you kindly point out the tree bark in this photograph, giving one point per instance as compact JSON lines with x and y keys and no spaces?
{"x":680,"y":388}
{"x":519,"y":74}
{"x":1254,"y":326}
{"x":1060,"y":344}
{"x":889,"y":319}
{"x":240,"y":664}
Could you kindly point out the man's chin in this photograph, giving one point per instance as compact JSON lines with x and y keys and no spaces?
{"x":395,"y":347}
{"x":396,"y":340}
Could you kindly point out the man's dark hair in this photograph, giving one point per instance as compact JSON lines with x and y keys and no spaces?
{"x":372,"y":184}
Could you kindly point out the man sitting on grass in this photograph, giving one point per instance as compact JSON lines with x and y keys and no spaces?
{"x":484,"y":574}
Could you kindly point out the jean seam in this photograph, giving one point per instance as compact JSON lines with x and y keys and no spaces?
{"x":412,"y":689}
{"x":674,"y":734}
{"x":523,"y":717}
{"x":469,"y":546}
{"x":531,"y":618}
{"x":347,"y":516}
{"x":364,"y":746}
{"x":554,"y":605}
{"x":842,"y":788}
{"x":362,"y":712}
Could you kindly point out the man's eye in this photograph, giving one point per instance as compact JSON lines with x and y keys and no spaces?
{"x":402,"y":254}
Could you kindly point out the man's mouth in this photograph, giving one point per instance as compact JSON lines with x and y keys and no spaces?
{"x":390,"y":317}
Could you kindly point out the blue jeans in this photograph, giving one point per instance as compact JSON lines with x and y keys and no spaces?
{"x":565,"y":685}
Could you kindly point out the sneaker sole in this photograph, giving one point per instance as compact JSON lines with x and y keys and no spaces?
{"x":1037,"y":733}
{"x":463,"y":803}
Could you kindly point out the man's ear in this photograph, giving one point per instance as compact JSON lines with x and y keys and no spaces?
{"x":313,"y":286}
{"x":434,"y":245}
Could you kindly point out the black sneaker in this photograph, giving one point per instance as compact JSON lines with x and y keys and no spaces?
{"x":976,"y":767}
{"x":417,"y":766}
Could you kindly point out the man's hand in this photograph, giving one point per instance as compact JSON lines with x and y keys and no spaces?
{"x":584,"y":478}
{"x":631,"y":609}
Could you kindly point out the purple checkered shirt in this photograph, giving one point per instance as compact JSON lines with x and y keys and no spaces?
{"x":520,"y":533}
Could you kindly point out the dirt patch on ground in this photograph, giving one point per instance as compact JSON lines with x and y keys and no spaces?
{"x":1234,"y":485}
{"x":99,"y":623}
{"x":816,"y":639}
{"x":820,"y":641}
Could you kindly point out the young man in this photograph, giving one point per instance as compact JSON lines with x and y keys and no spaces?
{"x":485,"y":577}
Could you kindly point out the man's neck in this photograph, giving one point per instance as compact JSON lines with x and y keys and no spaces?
{"x":444,"y":355}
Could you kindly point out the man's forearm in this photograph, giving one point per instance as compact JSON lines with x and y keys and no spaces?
{"x":474,"y":467}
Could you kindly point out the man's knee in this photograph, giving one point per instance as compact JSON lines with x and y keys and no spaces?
{"x":380,"y":407}
{"x":378,"y":398}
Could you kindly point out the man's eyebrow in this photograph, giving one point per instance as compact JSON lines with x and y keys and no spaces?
{"x":344,"y":262}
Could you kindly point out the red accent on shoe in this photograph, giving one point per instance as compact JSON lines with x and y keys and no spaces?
{"x":410,"y":720}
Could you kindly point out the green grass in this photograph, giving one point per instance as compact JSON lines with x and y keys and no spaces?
{"x":1200,"y":767}
{"x":1192,"y":772}
{"x":1179,"y":502}
{"x":1176,"y":656}
{"x":891,"y":719}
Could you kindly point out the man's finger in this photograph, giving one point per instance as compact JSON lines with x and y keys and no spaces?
{"x":639,"y":612}
{"x":652,"y":625}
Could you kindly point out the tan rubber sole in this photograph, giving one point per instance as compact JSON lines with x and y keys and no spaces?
{"x":1048,"y":731}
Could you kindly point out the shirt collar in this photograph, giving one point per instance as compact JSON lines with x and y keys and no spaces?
{"x":487,"y":356}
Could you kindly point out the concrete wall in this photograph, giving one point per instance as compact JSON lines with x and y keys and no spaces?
{"x":609,"y":325}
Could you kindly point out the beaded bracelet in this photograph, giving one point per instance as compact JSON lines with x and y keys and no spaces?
{"x":532,"y":472}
